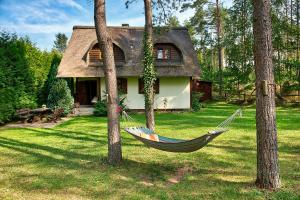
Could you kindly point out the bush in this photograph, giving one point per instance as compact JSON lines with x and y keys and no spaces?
{"x":7,"y":107}
{"x":60,"y":96}
{"x":16,"y":76}
{"x":196,"y":105}
{"x":100,"y":108}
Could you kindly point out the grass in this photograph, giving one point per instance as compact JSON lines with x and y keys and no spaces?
{"x":69,"y":161}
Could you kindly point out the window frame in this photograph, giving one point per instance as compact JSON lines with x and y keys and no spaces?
{"x":166,"y":53}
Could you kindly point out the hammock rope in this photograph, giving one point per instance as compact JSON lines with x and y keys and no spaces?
{"x":226,"y":123}
{"x":150,"y":138}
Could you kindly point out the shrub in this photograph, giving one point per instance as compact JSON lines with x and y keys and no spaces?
{"x":60,"y":96}
{"x":16,"y":76}
{"x":100,"y":108}
{"x":196,"y":105}
{"x":7,"y":109}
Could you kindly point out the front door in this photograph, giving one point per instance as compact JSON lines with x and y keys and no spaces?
{"x":86,"y":91}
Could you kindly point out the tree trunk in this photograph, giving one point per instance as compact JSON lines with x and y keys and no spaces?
{"x":266,"y":133}
{"x":149,"y":102}
{"x":220,"y":51}
{"x":298,"y":44}
{"x":106,"y":46}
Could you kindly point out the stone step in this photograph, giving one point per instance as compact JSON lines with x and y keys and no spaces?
{"x":85,"y":111}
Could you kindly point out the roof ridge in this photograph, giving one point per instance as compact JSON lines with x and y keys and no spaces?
{"x":124,"y":27}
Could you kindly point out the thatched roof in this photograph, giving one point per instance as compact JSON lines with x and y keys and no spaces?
{"x":129,"y":39}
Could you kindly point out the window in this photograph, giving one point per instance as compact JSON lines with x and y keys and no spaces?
{"x":163,"y":53}
{"x":95,"y":54}
{"x":141,"y":86}
{"x":122,"y":85}
{"x":167,"y":52}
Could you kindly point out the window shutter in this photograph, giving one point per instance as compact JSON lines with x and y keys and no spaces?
{"x":141,"y":86}
{"x":156,"y":86}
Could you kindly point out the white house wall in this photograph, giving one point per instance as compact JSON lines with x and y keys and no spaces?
{"x":174,"y":93}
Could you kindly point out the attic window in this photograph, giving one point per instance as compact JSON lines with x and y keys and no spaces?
{"x":165,"y":52}
{"x":95,"y":54}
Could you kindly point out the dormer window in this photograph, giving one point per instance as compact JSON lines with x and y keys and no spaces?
{"x":95,"y":55}
{"x":166,"y":52}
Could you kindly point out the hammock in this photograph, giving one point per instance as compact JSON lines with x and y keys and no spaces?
{"x":156,"y":141}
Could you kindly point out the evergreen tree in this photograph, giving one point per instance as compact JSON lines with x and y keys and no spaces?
{"x":60,"y":96}
{"x":17,"y":81}
{"x":106,"y":46}
{"x":60,"y":43}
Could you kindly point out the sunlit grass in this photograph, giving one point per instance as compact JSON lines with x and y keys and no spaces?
{"x":69,"y":161}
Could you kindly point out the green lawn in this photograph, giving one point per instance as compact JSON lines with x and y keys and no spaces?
{"x":69,"y":161}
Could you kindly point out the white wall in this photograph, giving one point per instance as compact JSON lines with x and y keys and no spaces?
{"x":176,"y":91}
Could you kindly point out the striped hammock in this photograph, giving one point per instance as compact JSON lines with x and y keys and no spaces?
{"x":156,"y":141}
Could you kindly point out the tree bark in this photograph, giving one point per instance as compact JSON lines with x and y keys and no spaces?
{"x":220,"y":49}
{"x":106,"y":46}
{"x":298,"y":43}
{"x":266,"y":133}
{"x":149,"y":105}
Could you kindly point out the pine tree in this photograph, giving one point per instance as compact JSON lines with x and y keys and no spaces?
{"x":267,"y":148}
{"x":60,"y":43}
{"x":106,"y":46}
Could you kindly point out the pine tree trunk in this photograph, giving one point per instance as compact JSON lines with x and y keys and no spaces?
{"x":149,"y":105}
{"x":267,"y":150}
{"x":220,"y":51}
{"x":106,"y":46}
{"x":298,"y":43}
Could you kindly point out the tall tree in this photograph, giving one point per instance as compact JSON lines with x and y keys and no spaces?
{"x":149,"y":75}
{"x":60,"y":43}
{"x":267,"y":149}
{"x":106,"y":46}
{"x":219,"y":46}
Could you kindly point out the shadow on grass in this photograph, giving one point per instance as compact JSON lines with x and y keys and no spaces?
{"x":78,"y":135}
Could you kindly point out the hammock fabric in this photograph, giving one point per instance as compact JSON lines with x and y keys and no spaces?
{"x":156,"y":141}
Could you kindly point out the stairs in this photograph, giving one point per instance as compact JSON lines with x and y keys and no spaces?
{"x":85,"y":110}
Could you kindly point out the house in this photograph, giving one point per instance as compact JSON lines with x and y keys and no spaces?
{"x":175,"y":60}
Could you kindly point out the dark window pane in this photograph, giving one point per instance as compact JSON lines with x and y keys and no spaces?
{"x":122,"y":85}
{"x":141,"y":86}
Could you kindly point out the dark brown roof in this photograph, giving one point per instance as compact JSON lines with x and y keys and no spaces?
{"x":129,"y":39}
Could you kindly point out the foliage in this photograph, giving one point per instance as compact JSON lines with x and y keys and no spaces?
{"x":60,"y":96}
{"x":100,"y":108}
{"x":238,"y":74}
{"x":50,"y":78}
{"x":225,"y":169}
{"x":172,"y":22}
{"x":196,"y":105}
{"x":23,"y":73}
{"x":149,"y":73}
{"x":17,"y":81}
{"x":60,"y":43}
{"x":122,"y":104}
